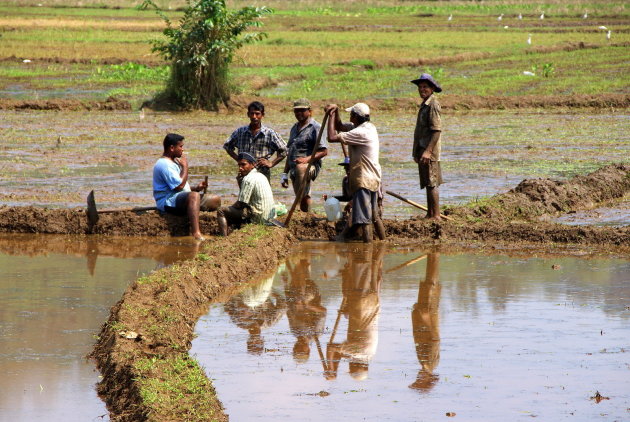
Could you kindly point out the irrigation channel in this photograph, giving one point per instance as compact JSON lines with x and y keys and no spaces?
{"x":378,"y":332}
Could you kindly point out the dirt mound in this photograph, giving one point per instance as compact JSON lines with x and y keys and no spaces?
{"x":111,"y":104}
{"x":535,"y":197}
{"x":143,"y":348}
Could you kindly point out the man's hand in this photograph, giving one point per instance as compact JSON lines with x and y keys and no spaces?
{"x":331,"y":108}
{"x":426,"y":157}
{"x":263,"y":162}
{"x":201,"y":186}
{"x":324,"y":197}
{"x":302,"y":160}
{"x":284,"y":180}
{"x":183,"y":161}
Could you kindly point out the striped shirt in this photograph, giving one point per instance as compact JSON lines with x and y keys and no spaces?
{"x":263,"y":145}
{"x":256,"y":192}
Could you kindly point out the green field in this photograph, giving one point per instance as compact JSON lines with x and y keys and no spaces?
{"x":327,"y":50}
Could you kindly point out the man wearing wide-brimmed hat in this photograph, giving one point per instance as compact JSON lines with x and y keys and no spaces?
{"x":427,"y":143}
{"x":302,"y":140}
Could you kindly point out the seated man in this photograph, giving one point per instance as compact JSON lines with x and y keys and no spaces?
{"x":255,"y":200}
{"x":171,"y":190}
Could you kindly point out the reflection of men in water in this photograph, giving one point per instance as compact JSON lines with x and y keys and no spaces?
{"x":255,"y":308}
{"x":426,"y":325}
{"x":361,"y":278}
{"x":305,"y":312}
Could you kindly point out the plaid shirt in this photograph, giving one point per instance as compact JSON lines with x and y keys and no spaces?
{"x":263,"y":145}
{"x":256,"y":192}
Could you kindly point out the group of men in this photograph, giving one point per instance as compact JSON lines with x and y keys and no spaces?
{"x":257,"y":148}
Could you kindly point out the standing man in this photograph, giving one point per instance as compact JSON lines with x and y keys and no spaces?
{"x":255,"y":200}
{"x":302,"y":140}
{"x":427,"y":142}
{"x":257,"y":140}
{"x":364,"y":179}
{"x":171,"y":190}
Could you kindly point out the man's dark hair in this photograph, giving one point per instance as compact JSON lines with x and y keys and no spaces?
{"x":172,"y":139}
{"x":256,"y":106}
{"x":361,"y":119}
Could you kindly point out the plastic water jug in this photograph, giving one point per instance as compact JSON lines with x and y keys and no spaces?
{"x":333,"y":209}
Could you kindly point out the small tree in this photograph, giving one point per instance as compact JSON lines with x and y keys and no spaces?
{"x":201,"y":49}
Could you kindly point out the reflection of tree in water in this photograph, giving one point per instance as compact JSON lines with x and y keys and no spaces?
{"x":361,"y":281}
{"x":426,"y":325}
{"x":254,"y":309}
{"x":305,"y":312}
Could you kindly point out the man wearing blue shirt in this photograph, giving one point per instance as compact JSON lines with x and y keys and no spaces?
{"x":171,"y":190}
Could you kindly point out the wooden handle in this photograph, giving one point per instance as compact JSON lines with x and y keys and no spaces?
{"x":307,"y":176}
{"x":415,"y":204}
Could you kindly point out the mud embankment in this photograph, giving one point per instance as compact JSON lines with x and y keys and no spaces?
{"x":142,"y":350}
{"x":514,"y":216}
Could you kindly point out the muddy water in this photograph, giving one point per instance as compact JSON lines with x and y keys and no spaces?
{"x":55,"y":292}
{"x":358,"y":332}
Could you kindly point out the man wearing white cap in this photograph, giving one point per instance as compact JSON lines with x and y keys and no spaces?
{"x":364,"y":179}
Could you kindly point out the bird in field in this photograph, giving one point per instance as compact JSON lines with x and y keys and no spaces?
{"x":603,"y":28}
{"x":450,"y":18}
{"x":142,"y":113}
{"x":529,"y":39}
{"x":542,"y":16}
{"x":500,"y":18}
{"x":608,"y":35}
{"x":520,"y":16}
{"x":528,"y":73}
{"x":505,"y":27}
{"x":585,"y":15}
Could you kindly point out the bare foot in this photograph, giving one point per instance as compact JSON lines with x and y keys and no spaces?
{"x":199,"y":237}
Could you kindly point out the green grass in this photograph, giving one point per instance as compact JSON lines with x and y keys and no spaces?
{"x":340,"y":51}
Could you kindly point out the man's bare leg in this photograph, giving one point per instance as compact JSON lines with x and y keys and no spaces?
{"x":192,"y":206}
{"x":300,"y":174}
{"x":433,"y":203}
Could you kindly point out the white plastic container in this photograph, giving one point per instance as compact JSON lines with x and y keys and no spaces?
{"x":333,"y":209}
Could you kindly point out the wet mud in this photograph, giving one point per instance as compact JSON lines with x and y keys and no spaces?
{"x":448,"y":102}
{"x":516,"y":216}
{"x":111,"y":104}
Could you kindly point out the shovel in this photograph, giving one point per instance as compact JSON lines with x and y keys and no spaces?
{"x":415,"y":204}
{"x":92,"y":212}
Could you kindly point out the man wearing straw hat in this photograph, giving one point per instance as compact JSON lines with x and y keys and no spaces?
{"x":302,"y":140}
{"x":427,"y":143}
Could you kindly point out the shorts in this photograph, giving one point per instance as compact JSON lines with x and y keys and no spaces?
{"x":430,"y":174}
{"x":180,"y":207}
{"x":294,"y":180}
{"x":364,"y":206}
{"x":235,"y":216}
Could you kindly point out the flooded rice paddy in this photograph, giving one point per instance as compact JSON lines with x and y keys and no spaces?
{"x":371,"y":332}
{"x":113,"y":152}
{"x":55,"y":293}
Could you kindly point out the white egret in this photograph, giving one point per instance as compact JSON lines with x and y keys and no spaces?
{"x":26,"y":61}
{"x":542,"y":15}
{"x":528,"y":73}
{"x":505,"y":27}
{"x":520,"y":16}
{"x":603,"y":28}
{"x":450,"y":18}
{"x":142,"y":113}
{"x":500,"y":18}
{"x":585,"y":15}
{"x":608,"y":35}
{"x":529,"y":39}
